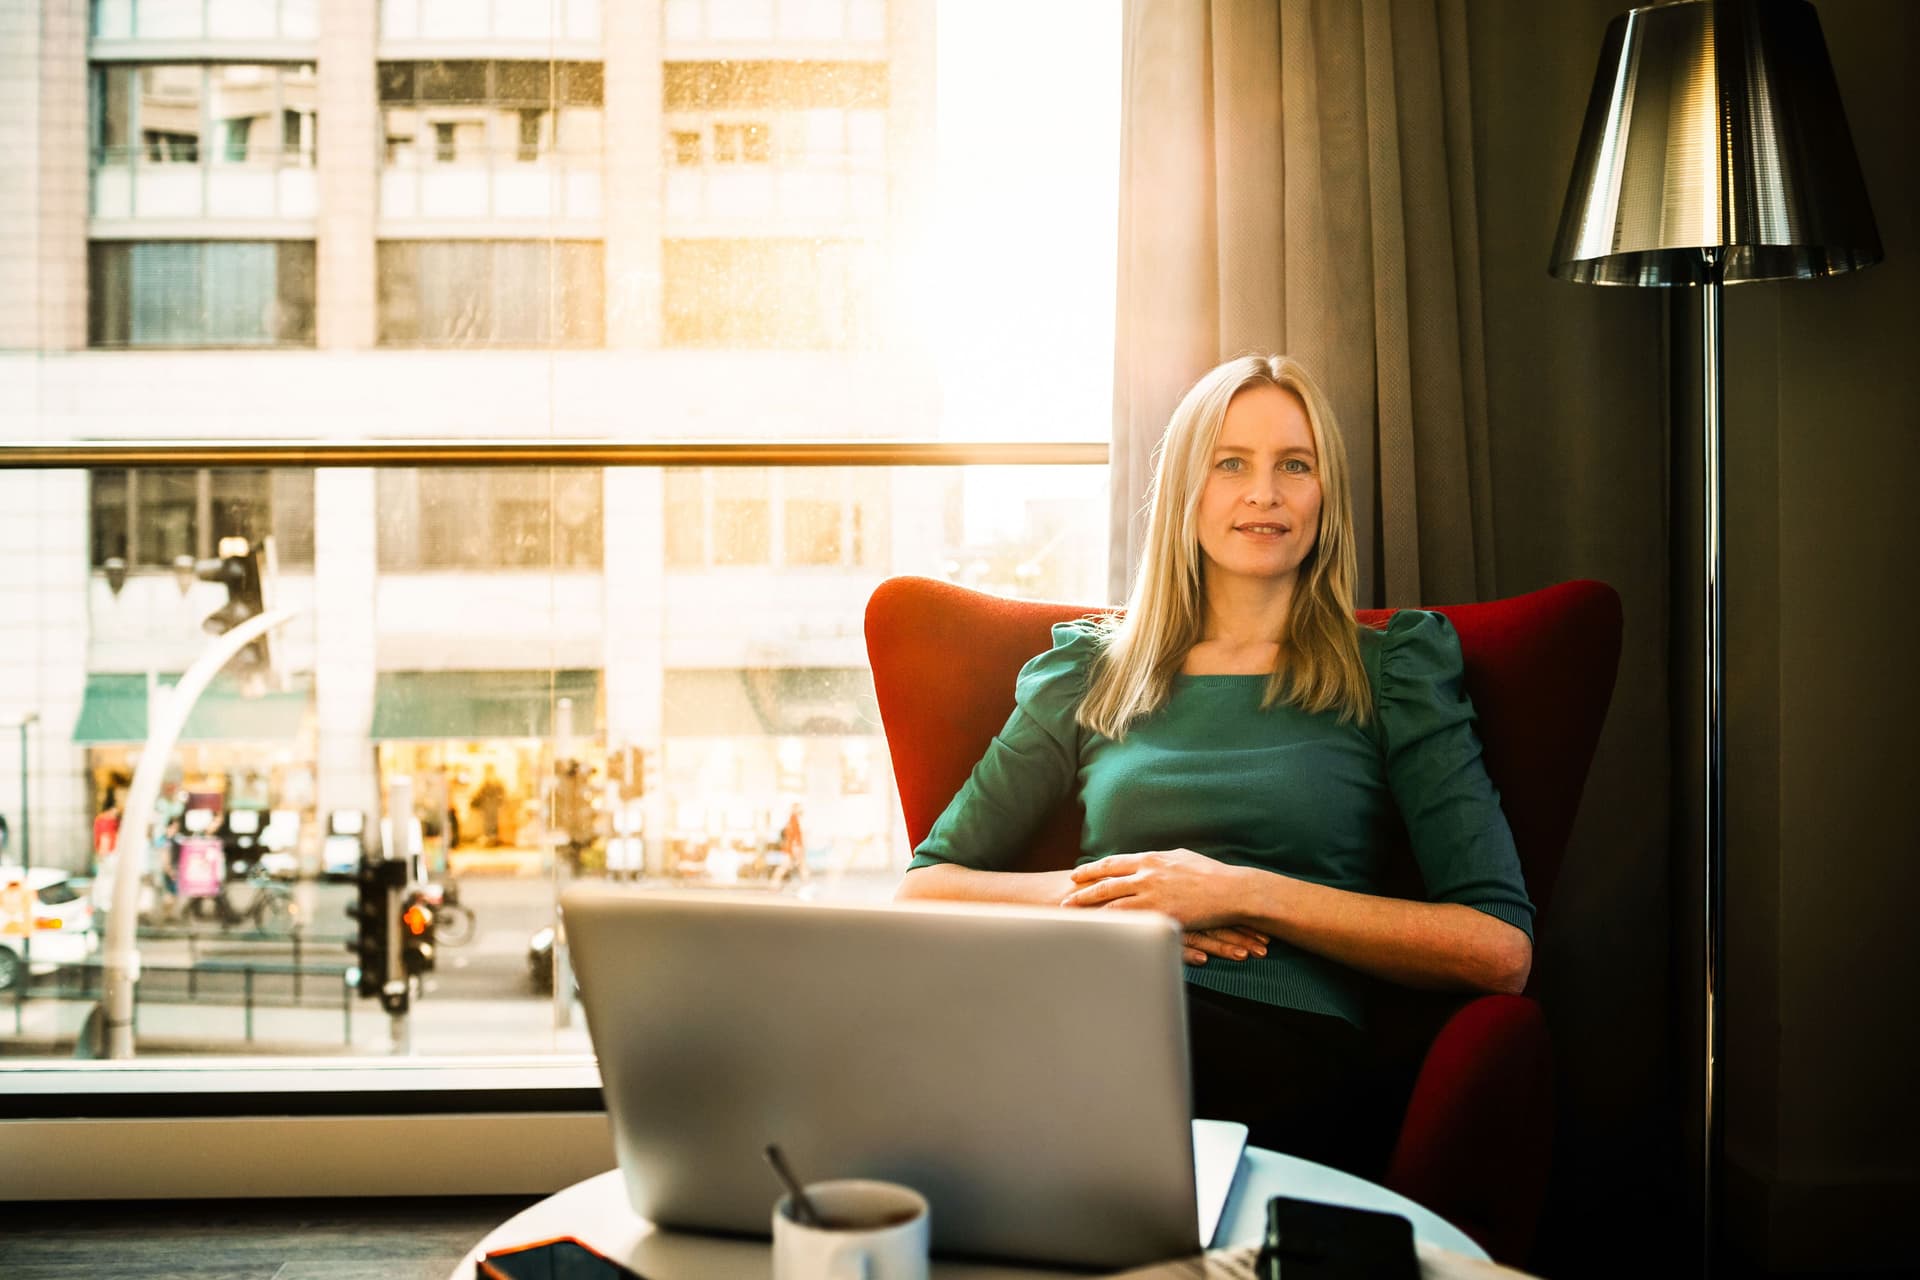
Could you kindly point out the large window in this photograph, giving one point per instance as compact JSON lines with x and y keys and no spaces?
{"x":491,"y":293}
{"x":193,"y":140}
{"x":200,"y":293}
{"x":589,"y":662}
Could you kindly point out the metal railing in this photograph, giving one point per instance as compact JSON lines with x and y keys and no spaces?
{"x":525,"y":452}
{"x":249,"y":971}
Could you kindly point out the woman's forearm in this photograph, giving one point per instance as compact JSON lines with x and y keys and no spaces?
{"x":951,"y":882}
{"x":1441,"y":946}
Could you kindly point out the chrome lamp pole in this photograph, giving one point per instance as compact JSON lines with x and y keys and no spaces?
{"x":1715,"y":151}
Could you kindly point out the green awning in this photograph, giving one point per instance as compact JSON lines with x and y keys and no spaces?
{"x":115,"y":710}
{"x":780,"y":702}
{"x":471,"y":705}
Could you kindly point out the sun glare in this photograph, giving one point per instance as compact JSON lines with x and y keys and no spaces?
{"x":1015,"y":288}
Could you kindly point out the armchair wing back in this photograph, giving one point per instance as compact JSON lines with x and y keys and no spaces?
{"x":1540,"y":669}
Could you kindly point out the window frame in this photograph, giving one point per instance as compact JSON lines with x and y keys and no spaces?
{"x":115,"y":1130}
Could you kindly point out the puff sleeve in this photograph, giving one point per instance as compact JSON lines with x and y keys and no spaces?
{"x":1028,"y":768}
{"x":1459,"y":835}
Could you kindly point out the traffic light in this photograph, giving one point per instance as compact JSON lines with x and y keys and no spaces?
{"x":372,"y":913}
{"x":416,"y":936}
{"x":238,"y":568}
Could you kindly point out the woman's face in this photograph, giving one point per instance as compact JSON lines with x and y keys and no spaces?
{"x":1260,"y":507}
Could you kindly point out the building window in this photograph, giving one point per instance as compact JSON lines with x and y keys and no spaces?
{"x":686,"y":146}
{"x":200,"y":293}
{"x":477,"y":112}
{"x":491,"y":293}
{"x":508,"y":518}
{"x":158,"y":114}
{"x":746,"y":141}
{"x":150,"y":518}
{"x":769,"y":292}
{"x":793,"y":517}
{"x":705,"y":86}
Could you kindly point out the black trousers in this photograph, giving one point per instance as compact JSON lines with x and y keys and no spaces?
{"x":1308,"y":1084}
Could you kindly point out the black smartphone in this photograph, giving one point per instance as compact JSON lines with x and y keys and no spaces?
{"x":563,"y":1259}
{"x":1308,"y":1240}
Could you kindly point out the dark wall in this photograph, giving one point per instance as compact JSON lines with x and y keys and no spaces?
{"x":1596,"y":455}
{"x":1579,"y":433}
{"x":1823,"y":1133}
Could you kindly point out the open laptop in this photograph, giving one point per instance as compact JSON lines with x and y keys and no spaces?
{"x":1025,"y":1070}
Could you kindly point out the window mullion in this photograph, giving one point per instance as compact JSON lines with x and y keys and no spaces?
{"x":133,"y":519}
{"x":203,"y":514}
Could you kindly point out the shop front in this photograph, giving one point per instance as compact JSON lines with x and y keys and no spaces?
{"x":486,"y":753}
{"x":773,"y":772}
{"x":236,"y":754}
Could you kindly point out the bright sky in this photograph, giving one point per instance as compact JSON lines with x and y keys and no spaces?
{"x":1025,"y":219}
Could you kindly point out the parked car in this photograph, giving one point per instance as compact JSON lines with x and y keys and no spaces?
{"x":55,"y":927}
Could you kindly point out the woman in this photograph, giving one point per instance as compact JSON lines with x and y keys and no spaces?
{"x":1243,"y":750}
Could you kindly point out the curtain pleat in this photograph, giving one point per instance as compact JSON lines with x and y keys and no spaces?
{"x":1297,"y":176}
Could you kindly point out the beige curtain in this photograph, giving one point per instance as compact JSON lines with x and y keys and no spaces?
{"x":1297,"y":176}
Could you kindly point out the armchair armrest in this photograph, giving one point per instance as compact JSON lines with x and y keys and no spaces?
{"x":1477,"y":1137}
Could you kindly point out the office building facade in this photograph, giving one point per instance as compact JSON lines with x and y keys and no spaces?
{"x":519,"y":219}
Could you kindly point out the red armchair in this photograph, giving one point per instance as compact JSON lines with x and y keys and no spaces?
{"x":1475,"y":1141}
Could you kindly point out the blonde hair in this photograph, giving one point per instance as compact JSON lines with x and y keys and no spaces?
{"x":1143,"y":649}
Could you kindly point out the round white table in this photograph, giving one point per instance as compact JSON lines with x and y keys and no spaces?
{"x":596,"y":1212}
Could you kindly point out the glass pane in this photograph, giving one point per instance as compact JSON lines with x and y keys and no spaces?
{"x":167,"y":526}
{"x":109,"y":508}
{"x":742,"y":517}
{"x":452,"y":81}
{"x":241,"y":504}
{"x":114,"y":124}
{"x":202,"y":293}
{"x":170,"y":114}
{"x":299,"y":114}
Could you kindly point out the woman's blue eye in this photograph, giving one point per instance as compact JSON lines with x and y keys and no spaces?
{"x":1298,"y":466}
{"x":1229,"y":464}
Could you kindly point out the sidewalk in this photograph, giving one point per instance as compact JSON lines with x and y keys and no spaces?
{"x":437,"y":1028}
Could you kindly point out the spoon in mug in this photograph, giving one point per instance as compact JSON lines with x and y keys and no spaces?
{"x":803,"y":1210}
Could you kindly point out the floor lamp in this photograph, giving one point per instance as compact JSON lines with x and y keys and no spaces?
{"x":1715,"y":151}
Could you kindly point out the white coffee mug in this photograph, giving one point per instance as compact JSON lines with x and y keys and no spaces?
{"x":873,"y":1231}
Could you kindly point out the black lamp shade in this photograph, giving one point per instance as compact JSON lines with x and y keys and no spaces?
{"x":1714,"y":124}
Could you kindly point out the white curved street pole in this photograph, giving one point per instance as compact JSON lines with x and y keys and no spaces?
{"x":122,"y":964}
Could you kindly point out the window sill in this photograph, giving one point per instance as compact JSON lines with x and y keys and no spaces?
{"x":227,"y":1087}
{"x":218,"y":1129}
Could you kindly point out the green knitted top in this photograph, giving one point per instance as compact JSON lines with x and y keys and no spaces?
{"x":1291,"y":792}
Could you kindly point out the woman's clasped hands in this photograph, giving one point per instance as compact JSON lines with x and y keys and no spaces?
{"x":1201,"y":893}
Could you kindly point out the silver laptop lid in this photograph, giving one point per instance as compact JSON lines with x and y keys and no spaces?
{"x":1026,"y":1070}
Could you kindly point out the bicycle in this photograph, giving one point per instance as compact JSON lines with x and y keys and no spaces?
{"x":270,"y":908}
{"x":453,"y":924}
